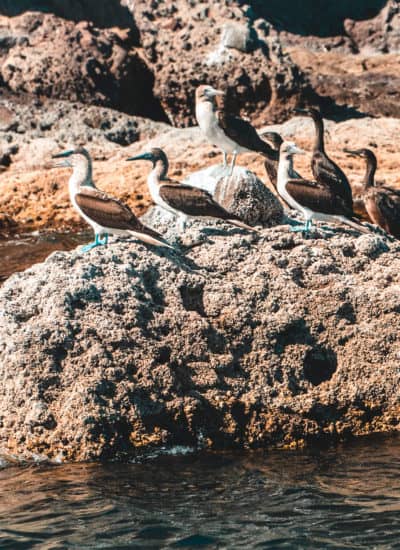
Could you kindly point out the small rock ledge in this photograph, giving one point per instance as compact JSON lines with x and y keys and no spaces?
{"x":247,"y":341}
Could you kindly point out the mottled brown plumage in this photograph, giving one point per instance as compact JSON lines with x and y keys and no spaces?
{"x":181,"y":199}
{"x":109,"y":212}
{"x":381,"y":202}
{"x":193,"y":201}
{"x":318,"y":197}
{"x":324,"y":170}
{"x":383,"y":207}
{"x":316,"y":201}
{"x":231,"y":134}
{"x":244,"y":134}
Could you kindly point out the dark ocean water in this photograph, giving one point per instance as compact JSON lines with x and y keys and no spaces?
{"x":347,"y":497}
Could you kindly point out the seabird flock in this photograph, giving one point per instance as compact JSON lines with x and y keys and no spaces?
{"x":328,"y":198}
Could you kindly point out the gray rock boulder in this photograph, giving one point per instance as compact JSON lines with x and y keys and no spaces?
{"x":242,"y":194}
{"x":239,"y":37}
{"x":247,"y":341}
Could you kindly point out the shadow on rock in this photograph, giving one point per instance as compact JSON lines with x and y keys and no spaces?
{"x":312,"y":17}
{"x":103,"y":13}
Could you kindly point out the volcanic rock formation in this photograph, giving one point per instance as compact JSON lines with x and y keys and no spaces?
{"x":247,"y":341}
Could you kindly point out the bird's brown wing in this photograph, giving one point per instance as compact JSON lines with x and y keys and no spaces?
{"x":108,"y":212}
{"x":244,"y":134}
{"x":317,"y":197}
{"x":389,"y":206}
{"x":394,"y":193}
{"x":193,"y":201}
{"x":271,"y":167}
{"x":328,"y":173}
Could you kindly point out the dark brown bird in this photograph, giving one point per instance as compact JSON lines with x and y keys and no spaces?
{"x":324,"y":170}
{"x":315,"y":201}
{"x":381,"y":202}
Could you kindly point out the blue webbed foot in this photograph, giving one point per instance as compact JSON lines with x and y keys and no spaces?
{"x":298,"y":229}
{"x":97,"y":242}
{"x":302,"y":228}
{"x":90,"y":246}
{"x":105,"y":240}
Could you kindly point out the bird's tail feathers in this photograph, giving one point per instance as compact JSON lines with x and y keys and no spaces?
{"x":243,"y":225}
{"x":354,"y":223}
{"x":149,"y":239}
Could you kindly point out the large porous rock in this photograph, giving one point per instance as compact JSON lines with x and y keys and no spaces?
{"x":102,"y":66}
{"x":248,"y":341}
{"x":343,"y":51}
{"x":26,"y":125}
{"x":242,"y":193}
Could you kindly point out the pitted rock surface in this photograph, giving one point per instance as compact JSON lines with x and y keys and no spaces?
{"x":247,"y":341}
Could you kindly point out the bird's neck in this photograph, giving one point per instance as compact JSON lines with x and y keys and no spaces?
{"x":81,"y":176}
{"x":285,"y":168}
{"x":319,"y":144}
{"x":369,"y":177}
{"x":205,"y":114}
{"x":160,"y":170}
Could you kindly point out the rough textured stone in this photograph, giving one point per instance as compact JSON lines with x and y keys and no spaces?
{"x":248,"y":341}
{"x":356,"y":63}
{"x":26,"y":124}
{"x":239,"y":37}
{"x":185,"y":49}
{"x":242,"y":194}
{"x":101,"y":66}
{"x":146,"y":58}
{"x":246,"y":196}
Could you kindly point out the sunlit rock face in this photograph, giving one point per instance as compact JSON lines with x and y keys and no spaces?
{"x":245,"y":341}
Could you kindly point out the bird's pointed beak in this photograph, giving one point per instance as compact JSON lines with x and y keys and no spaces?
{"x":62,"y":155}
{"x":216,"y":92}
{"x":351,"y":153}
{"x":298,"y":111}
{"x":65,"y":162}
{"x":143,"y":156}
{"x":296,"y":150}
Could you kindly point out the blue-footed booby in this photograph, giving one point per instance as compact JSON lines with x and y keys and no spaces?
{"x":271,"y":165}
{"x":314,"y":200}
{"x":105,"y":214}
{"x":231,"y":134}
{"x":184,"y":201}
{"x":381,"y":202}
{"x":324,"y":170}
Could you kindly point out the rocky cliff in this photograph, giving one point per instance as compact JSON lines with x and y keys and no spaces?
{"x":145,"y":58}
{"x":246,"y":341}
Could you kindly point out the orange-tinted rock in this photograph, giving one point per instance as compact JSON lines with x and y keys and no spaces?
{"x":52,"y":57}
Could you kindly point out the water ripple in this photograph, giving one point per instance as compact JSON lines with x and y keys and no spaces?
{"x":343,"y":498}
